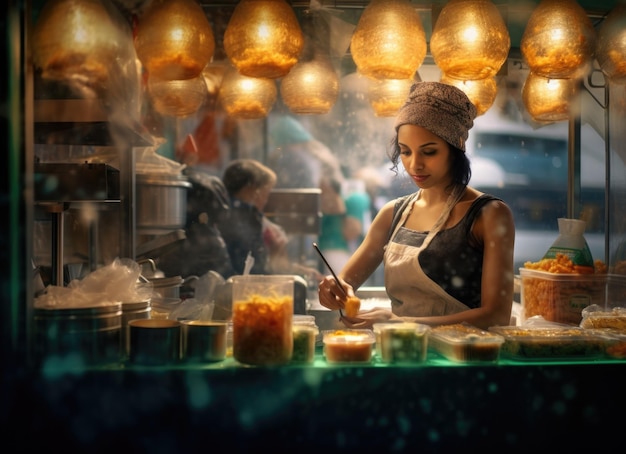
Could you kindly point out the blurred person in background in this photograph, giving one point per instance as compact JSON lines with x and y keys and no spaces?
{"x":301,"y":162}
{"x":203,"y":248}
{"x":248,"y":230}
{"x":447,"y":248}
{"x":298,"y":159}
{"x":345,"y":219}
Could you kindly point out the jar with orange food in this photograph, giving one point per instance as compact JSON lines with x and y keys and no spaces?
{"x":262,"y":319}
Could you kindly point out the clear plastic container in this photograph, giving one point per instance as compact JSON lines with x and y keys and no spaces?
{"x":348,"y":345}
{"x":560,"y":297}
{"x":305,"y":334}
{"x":304,"y":343}
{"x":558,"y":343}
{"x":465,"y":343}
{"x":403,"y":342}
{"x":263,"y":319}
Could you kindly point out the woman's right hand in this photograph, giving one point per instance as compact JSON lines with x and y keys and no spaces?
{"x":331,"y":295}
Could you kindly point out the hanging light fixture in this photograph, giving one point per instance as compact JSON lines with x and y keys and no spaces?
{"x":247,"y":97}
{"x":482,"y":92}
{"x":470,"y":39}
{"x":548,"y":100}
{"x":389,"y":40}
{"x":174,"y":39}
{"x":263,"y":38}
{"x":559,"y":39}
{"x":386,"y":96}
{"x":311,"y":87}
{"x":177,"y":98}
{"x":611,"y":45}
{"x":77,"y":41}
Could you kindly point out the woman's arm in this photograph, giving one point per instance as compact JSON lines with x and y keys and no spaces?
{"x":361,"y":264}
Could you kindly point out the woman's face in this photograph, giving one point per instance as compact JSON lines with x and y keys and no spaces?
{"x":425,"y":156}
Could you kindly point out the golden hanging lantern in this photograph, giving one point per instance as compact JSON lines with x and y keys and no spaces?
{"x":246,"y":97}
{"x":559,"y":39}
{"x":548,"y":100}
{"x":311,"y":87}
{"x":77,"y":41}
{"x":470,"y":39}
{"x":174,"y":39}
{"x":177,"y":98}
{"x":611,"y":45}
{"x":481,"y":92}
{"x":389,"y":40}
{"x":263,"y":38}
{"x":386,"y":96}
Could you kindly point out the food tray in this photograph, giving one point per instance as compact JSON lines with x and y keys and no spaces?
{"x":614,"y":319}
{"x":401,"y":342}
{"x":560,"y":297}
{"x":529,"y":344}
{"x":465,"y":343}
{"x":615,"y":342}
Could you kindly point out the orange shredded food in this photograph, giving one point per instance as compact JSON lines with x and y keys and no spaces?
{"x":560,"y":301}
{"x":262,"y":330}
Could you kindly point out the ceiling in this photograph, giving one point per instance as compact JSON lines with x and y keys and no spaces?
{"x":515,"y":12}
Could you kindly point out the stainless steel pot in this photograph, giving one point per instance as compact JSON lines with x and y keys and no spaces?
{"x":161,"y":202}
{"x":167,"y":287}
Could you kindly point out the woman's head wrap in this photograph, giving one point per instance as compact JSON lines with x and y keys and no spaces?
{"x":442,"y":109}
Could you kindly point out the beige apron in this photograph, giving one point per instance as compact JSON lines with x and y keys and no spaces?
{"x":412,"y":293}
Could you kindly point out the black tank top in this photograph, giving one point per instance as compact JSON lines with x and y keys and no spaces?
{"x":452,"y":259}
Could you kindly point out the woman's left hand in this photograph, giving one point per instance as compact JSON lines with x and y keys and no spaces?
{"x":366,"y":319}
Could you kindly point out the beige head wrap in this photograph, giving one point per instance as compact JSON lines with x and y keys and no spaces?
{"x":444,"y":110}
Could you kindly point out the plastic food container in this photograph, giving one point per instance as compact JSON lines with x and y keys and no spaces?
{"x":304,"y":343}
{"x":615,"y":346}
{"x":262,"y":319}
{"x":614,"y":319}
{"x":377,"y":329}
{"x":465,"y":343}
{"x":305,"y":334}
{"x":560,"y":297}
{"x":401,"y":342}
{"x":529,"y":344}
{"x":348,"y":346}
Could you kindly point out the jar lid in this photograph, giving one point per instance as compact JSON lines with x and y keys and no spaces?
{"x":299,"y":319}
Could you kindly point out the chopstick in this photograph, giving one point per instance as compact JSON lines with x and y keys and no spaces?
{"x":332,"y":272}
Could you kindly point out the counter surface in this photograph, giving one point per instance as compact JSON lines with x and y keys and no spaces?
{"x":437,"y":406}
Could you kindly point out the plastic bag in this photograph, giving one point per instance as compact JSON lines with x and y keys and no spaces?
{"x":200,"y":307}
{"x":113,"y":283}
{"x":571,"y":242}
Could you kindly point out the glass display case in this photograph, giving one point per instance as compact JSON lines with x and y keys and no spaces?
{"x":86,"y":221}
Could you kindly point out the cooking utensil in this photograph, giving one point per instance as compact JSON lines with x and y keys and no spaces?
{"x":319,"y":251}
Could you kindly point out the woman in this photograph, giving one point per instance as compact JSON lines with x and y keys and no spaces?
{"x":447,"y":249}
{"x":248,"y":230}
